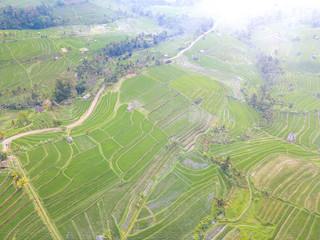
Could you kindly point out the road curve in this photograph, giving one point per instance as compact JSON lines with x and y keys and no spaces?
{"x":88,"y":113}
{"x":7,"y":141}
{"x":194,"y":42}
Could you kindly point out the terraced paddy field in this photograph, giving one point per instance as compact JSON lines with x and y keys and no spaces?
{"x":146,"y":163}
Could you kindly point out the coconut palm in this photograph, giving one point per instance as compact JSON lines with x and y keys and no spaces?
{"x":22,"y":182}
{"x":2,"y":135}
{"x":15,"y":174}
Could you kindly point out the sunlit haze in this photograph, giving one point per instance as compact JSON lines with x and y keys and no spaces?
{"x":234,"y":10}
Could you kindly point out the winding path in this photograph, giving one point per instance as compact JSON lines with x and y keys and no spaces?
{"x":7,"y":141}
{"x":194,"y":42}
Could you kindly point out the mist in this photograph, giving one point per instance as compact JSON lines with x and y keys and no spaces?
{"x":239,"y":12}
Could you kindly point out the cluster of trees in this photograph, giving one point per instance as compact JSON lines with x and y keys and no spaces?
{"x":30,"y":17}
{"x":19,"y":180}
{"x":3,"y":156}
{"x":225,"y":164}
{"x":182,"y":24}
{"x":24,"y":118}
{"x":142,"y":41}
{"x":64,"y":89}
{"x":269,"y":68}
{"x":107,"y":235}
{"x":263,"y":104}
{"x":90,"y":67}
{"x":202,"y":227}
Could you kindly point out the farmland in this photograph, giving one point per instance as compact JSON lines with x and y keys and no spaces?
{"x":182,"y":149}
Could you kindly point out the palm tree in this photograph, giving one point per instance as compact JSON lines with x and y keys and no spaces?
{"x":22,"y":182}
{"x":225,"y":164}
{"x":15,"y":174}
{"x":2,"y":135}
{"x":221,"y":204}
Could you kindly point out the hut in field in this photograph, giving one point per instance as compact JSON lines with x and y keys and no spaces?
{"x":297,"y":38}
{"x":314,"y":57}
{"x":69,"y":139}
{"x":198,"y":101}
{"x":47,"y":103}
{"x":85,"y":97}
{"x":291,"y":137}
{"x":56,"y":58}
{"x":129,"y":108}
{"x":39,"y":110}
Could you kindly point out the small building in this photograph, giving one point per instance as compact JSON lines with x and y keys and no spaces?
{"x":56,"y":58}
{"x":85,"y":97}
{"x":201,"y":51}
{"x":129,"y":108}
{"x":39,"y":33}
{"x":100,"y":237}
{"x":69,"y":139}
{"x":314,"y":57}
{"x":95,"y":40}
{"x":87,"y":44}
{"x":47,"y":103}
{"x":198,"y":101}
{"x":39,"y":110}
{"x":297,"y":38}
{"x":291,"y":137}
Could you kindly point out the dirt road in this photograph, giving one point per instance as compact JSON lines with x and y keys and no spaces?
{"x":194,"y":42}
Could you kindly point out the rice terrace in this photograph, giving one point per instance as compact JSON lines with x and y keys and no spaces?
{"x":159,"y":119}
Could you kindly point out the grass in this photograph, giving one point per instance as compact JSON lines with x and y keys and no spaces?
{"x":121,"y":173}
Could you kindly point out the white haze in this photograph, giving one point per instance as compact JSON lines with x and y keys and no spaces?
{"x":236,"y":11}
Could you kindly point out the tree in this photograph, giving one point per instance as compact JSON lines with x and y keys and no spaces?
{"x":107,"y":234}
{"x":15,"y":174}
{"x":225,"y":164}
{"x":62,"y":90}
{"x":22,"y":182}
{"x":57,"y":122}
{"x":220,"y":203}
{"x":3,"y":156}
{"x":265,"y":191}
{"x":2,"y":134}
{"x":24,"y":118}
{"x":81,"y":87}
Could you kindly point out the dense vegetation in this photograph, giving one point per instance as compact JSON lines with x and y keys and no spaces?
{"x":142,"y":41}
{"x":221,"y":142}
{"x":30,"y":17}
